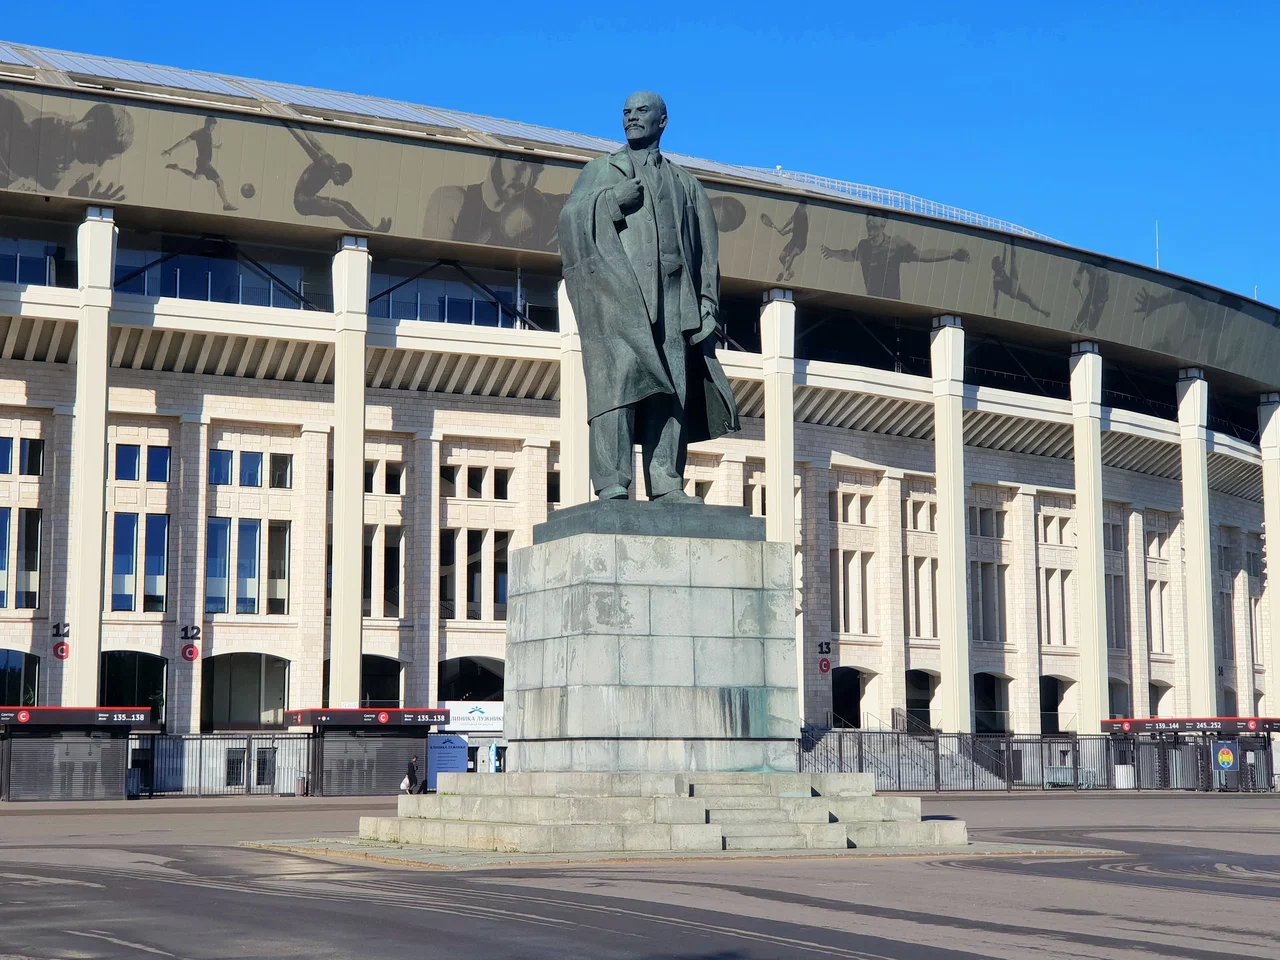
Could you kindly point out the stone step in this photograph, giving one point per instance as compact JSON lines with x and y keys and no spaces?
{"x":759,"y":829}
{"x":740,"y":803}
{"x":748,"y":815}
{"x":730,"y":790}
{"x":542,"y":838}
{"x":874,"y":809}
{"x":928,"y":833}
{"x":763,"y":843}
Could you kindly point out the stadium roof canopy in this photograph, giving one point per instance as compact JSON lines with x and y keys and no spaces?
{"x":60,"y":68}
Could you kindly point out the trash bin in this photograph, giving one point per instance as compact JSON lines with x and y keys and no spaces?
{"x":300,"y":789}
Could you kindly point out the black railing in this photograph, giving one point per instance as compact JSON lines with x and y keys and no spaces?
{"x":918,"y":761}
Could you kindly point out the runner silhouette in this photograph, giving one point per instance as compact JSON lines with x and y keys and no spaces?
{"x":202,"y":137}
{"x":1004,"y":279}
{"x":323,"y":170}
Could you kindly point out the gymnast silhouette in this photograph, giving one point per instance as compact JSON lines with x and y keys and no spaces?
{"x":1004,"y":279}
{"x":796,"y":230}
{"x":323,"y":170}
{"x":1094,"y":286}
{"x":202,"y":137}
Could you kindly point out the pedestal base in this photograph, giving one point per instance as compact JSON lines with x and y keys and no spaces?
{"x":579,"y":812}
{"x":632,"y":653}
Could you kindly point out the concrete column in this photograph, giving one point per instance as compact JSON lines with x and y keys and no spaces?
{"x":1022,"y":612}
{"x":1269,"y":428}
{"x":1193,"y":414}
{"x":1241,"y":617}
{"x":814,"y":621}
{"x":733,"y":473}
{"x":575,"y":463}
{"x":886,"y":515}
{"x":1135,"y":573}
{"x":56,"y":502}
{"x":96,"y":250}
{"x":778,"y":348}
{"x":1091,"y":611}
{"x":351,"y":322}
{"x":424,"y":546}
{"x":307,"y":567}
{"x":188,"y":508}
{"x":947,"y":361}
{"x":531,"y":489}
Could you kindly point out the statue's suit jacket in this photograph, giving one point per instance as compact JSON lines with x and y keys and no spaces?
{"x":612,"y":273}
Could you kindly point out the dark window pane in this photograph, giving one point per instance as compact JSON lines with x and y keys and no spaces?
{"x":250,"y":469}
{"x":158,"y":464}
{"x":219,"y":467}
{"x":31,"y":458}
{"x":127,"y":458}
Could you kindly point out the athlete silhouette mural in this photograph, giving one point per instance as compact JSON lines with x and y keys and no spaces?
{"x":881,"y":256}
{"x":505,"y":209}
{"x":202,"y":137}
{"x":1004,"y":279}
{"x":325,"y":169}
{"x":60,"y":155}
{"x":796,"y":232}
{"x":1094,"y":286}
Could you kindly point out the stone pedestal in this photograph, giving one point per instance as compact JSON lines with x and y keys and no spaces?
{"x":644,"y":637}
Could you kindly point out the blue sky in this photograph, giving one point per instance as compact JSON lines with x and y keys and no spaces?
{"x":1085,"y":121}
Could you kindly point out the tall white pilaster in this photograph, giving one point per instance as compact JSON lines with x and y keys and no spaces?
{"x":778,"y":349}
{"x":96,"y":248}
{"x":1086,"y":421}
{"x":575,"y":463}
{"x":351,"y":324}
{"x":1193,"y":418}
{"x":947,"y":361}
{"x":1269,"y":427}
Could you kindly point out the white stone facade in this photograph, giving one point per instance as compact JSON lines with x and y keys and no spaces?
{"x":865,"y":500}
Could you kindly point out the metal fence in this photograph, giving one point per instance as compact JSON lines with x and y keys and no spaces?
{"x":940,"y":762}
{"x":211,"y":765}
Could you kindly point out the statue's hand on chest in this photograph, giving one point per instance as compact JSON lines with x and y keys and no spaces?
{"x":629,"y":194}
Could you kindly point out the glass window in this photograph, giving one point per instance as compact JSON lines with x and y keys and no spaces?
{"x":328,"y":572}
{"x":281,"y":471}
{"x":501,"y":541}
{"x":475,"y":549}
{"x":370,"y":468}
{"x":448,"y":481}
{"x":250,"y":469}
{"x":124,"y":561}
{"x":501,"y":484}
{"x":158,"y":464}
{"x":394,"y":477}
{"x":247,"y":566}
{"x":4,"y":556}
{"x":28,"y":559}
{"x":366,"y":573}
{"x":6,"y":455}
{"x":475,"y":482}
{"x":553,"y":486}
{"x":31,"y":458}
{"x":391,"y":572}
{"x":219,"y":467}
{"x":448,"y":556}
{"x":278,"y":567}
{"x":331,"y":476}
{"x":217,"y":565}
{"x":19,"y":678}
{"x":128,"y":456}
{"x":155,"y":569}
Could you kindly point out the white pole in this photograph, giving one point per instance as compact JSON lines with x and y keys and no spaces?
{"x":1157,"y":244}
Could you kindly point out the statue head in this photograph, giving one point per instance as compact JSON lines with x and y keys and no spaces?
{"x":644,"y":117}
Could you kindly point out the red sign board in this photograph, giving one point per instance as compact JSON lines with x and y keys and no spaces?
{"x":61,"y":650}
{"x":824,"y":665}
{"x":77,"y":716}
{"x":24,"y":716}
{"x":190,"y":652}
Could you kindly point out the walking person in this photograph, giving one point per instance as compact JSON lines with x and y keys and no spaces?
{"x":410,"y":782}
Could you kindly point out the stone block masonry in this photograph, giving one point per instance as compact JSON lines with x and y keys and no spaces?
{"x":628,"y":652}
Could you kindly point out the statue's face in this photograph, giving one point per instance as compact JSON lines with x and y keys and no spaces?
{"x":643,"y":119}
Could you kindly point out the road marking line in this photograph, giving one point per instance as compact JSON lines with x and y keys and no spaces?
{"x":121,"y":943}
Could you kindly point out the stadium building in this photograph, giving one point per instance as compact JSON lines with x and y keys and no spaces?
{"x":314,"y":344}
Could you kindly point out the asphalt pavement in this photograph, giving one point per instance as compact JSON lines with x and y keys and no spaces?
{"x":1199,"y":877}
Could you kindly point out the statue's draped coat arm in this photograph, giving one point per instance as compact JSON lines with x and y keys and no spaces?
{"x":599,"y":245}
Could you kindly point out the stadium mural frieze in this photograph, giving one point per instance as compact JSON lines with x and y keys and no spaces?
{"x":277,"y":170}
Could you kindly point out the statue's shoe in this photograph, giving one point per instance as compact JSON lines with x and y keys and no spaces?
{"x":615,"y":492}
{"x":678,"y":496}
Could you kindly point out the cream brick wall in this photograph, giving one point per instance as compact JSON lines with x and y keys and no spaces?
{"x":191,"y":413}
